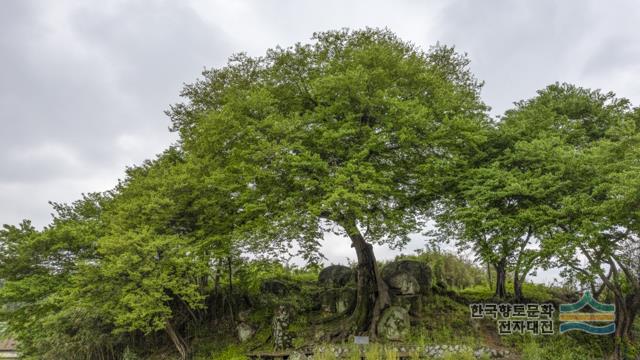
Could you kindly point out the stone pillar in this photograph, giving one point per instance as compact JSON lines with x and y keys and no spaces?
{"x":280,"y":326}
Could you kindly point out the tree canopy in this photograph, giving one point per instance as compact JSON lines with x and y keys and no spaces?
{"x":358,"y":133}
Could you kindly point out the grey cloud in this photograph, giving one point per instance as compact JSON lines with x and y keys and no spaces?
{"x":517,"y":47}
{"x":76,"y":78}
{"x":614,"y":53}
{"x":83,"y":84}
{"x":521,"y":46}
{"x":153,"y":47}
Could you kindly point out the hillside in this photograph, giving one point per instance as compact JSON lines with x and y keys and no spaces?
{"x":438,"y":322}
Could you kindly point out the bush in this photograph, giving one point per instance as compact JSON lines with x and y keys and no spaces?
{"x":324,"y":353}
{"x":463,"y":355}
{"x":373,"y":352}
{"x":230,"y":353}
{"x":560,"y":347}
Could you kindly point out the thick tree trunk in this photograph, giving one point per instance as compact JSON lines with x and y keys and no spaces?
{"x":517,"y":288}
{"x":501,"y":279}
{"x":216,"y":292}
{"x":518,"y":281}
{"x":626,"y":311}
{"x":231,"y":311}
{"x":372,"y":295}
{"x":178,"y":341}
{"x":489,"y":276}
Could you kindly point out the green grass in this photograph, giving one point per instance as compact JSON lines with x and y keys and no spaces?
{"x":231,"y":352}
{"x":442,"y":320}
{"x":477,"y":293}
{"x":570,"y":346}
{"x":323,"y":352}
{"x":464,"y":355}
{"x":445,"y":322}
{"x":480,"y":293}
{"x":533,"y":292}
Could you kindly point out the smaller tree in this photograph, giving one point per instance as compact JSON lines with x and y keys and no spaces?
{"x":143,"y":282}
{"x":597,"y":224}
{"x":36,"y":268}
{"x":496,"y":208}
{"x":154,"y":261}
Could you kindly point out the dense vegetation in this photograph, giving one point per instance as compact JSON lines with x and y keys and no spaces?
{"x":357,"y":133}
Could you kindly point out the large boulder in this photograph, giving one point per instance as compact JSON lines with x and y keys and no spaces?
{"x":412,"y":303}
{"x":336,"y":276}
{"x":337,"y":301}
{"x":245,"y":331}
{"x":277,"y":287}
{"x":407,"y":277}
{"x":298,"y":355}
{"x":394,"y":323}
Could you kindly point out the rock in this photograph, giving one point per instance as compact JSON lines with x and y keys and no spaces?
{"x":407,"y":277}
{"x":275,"y":287}
{"x":394,"y":323}
{"x":280,"y":328}
{"x":413,"y":303}
{"x":342,"y":305}
{"x":337,"y":301}
{"x":483,"y":352}
{"x":243,"y":315}
{"x":245,"y":331}
{"x":297,"y":356}
{"x":336,"y":276}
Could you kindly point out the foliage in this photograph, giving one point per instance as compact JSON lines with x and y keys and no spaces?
{"x":390,"y":353}
{"x":324,"y":352}
{"x":374,"y":351}
{"x":448,"y":320}
{"x":356,"y":133}
{"x":450,"y":269}
{"x":230,"y":353}
{"x":465,"y":355}
{"x":560,"y":347}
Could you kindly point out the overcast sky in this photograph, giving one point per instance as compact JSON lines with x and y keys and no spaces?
{"x":83,"y":84}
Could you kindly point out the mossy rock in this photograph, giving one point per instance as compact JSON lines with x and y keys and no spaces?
{"x":245,"y":331}
{"x":277,"y":287}
{"x":412,"y":303}
{"x":394,"y":323}
{"x":336,"y":276}
{"x":407,"y":277}
{"x":337,"y":301}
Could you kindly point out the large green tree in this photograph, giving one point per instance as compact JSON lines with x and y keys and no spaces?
{"x":596,"y":231}
{"x":583,"y":147}
{"x":497,"y":205}
{"x":357,"y":132}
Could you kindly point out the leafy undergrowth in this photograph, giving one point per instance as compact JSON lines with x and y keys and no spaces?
{"x":443,"y":319}
{"x":532,"y":292}
{"x":570,"y":346}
